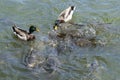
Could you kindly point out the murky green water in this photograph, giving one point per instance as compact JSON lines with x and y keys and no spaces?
{"x":74,"y":64}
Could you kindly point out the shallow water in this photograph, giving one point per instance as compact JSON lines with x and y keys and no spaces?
{"x":75,"y":64}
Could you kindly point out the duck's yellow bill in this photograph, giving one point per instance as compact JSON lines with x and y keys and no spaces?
{"x":56,"y":27}
{"x":37,"y":29}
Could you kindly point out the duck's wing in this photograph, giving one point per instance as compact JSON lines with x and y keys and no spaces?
{"x":66,"y":15}
{"x":30,"y":37}
{"x":22,"y":34}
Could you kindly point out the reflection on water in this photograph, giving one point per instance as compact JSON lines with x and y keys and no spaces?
{"x":76,"y":62}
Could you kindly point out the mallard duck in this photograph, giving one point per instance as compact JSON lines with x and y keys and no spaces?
{"x":65,"y":16}
{"x":24,"y":35}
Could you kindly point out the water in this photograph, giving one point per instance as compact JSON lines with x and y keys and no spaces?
{"x":75,"y":64}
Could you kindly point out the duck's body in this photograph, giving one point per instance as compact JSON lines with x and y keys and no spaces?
{"x":65,"y":16}
{"x":24,"y":35}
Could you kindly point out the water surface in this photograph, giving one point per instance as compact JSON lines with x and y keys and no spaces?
{"x":74,"y":64}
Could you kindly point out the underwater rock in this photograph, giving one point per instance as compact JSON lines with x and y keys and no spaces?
{"x":33,"y":59}
{"x":89,"y":42}
{"x":83,"y":42}
{"x":51,"y":64}
{"x":95,"y":70}
{"x":93,"y":66}
{"x":38,"y":61}
{"x":81,"y":35}
{"x":92,"y":71}
{"x":76,"y":31}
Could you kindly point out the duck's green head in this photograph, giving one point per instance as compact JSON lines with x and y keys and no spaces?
{"x":32,"y":29}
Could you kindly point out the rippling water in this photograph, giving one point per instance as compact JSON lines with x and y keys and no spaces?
{"x":75,"y":64}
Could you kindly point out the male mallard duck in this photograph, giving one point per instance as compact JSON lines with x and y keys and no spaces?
{"x":64,"y":16}
{"x":24,"y":35}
